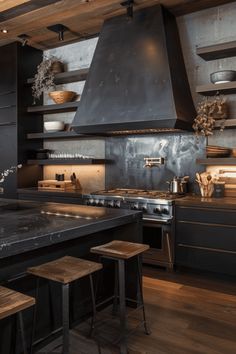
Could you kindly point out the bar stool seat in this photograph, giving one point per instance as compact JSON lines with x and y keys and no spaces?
{"x":121,"y":252}
{"x":66,"y":270}
{"x":120,"y":249}
{"x":13,"y":303}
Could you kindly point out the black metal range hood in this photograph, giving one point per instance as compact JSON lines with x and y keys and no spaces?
{"x":137,"y":81}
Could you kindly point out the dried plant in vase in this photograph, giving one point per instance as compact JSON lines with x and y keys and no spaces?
{"x":208,"y":111}
{"x":44,"y":78}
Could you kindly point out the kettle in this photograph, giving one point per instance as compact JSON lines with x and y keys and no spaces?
{"x":178,"y":185}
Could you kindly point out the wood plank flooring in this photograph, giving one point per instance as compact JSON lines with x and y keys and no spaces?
{"x":187,"y":314}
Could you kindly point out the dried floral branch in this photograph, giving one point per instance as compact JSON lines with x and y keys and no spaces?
{"x":44,"y":78}
{"x":5,"y":173}
{"x":208,"y":111}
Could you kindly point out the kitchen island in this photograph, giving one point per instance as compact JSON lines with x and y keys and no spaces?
{"x":32,"y":233}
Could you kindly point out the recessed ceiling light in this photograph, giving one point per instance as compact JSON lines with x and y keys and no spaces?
{"x":4,"y":30}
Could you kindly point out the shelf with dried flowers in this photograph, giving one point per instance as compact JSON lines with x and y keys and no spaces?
{"x":208,"y":112}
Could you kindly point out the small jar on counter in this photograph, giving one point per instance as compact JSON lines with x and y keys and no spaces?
{"x":219,"y":189}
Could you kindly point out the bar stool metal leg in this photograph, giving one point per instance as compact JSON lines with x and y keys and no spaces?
{"x":93,"y":305}
{"x":147,"y":330}
{"x":22,"y":332}
{"x":121,"y":273}
{"x":116,"y":288}
{"x":34,"y":315}
{"x":65,"y":318}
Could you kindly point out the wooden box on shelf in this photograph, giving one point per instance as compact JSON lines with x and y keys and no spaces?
{"x":53,"y":185}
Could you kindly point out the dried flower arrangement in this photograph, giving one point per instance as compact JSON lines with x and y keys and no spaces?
{"x":44,"y":78}
{"x":208,"y":111}
{"x":5,"y":173}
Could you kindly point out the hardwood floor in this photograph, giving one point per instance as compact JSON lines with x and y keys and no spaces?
{"x":187,"y":313}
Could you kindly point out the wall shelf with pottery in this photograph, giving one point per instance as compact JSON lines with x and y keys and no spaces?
{"x":217,"y":51}
{"x":57,"y":135}
{"x":54,"y":108}
{"x":67,"y":162}
{"x":67,"y":76}
{"x":212,"y":89}
{"x":217,"y":161}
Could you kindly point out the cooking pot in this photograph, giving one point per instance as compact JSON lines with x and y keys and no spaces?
{"x":178,"y":185}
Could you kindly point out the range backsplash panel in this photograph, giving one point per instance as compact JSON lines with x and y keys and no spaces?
{"x":127,"y":155}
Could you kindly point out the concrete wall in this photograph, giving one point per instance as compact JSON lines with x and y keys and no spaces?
{"x":203,"y":28}
{"x":215,"y":25}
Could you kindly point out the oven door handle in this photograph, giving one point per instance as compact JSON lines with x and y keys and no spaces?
{"x":158,"y":221}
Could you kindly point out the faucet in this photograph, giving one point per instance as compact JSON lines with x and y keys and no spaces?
{"x":153,"y":161}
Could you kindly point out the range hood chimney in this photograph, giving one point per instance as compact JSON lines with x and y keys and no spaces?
{"x":137,"y":81}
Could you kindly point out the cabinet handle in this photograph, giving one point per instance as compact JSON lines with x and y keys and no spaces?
{"x":8,"y":106}
{"x":5,"y":124}
{"x":220,"y":250}
{"x":168,"y":246}
{"x":205,"y":223}
{"x":6,"y":93}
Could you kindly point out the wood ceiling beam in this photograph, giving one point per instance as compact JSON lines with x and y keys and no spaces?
{"x":7,"y":4}
{"x":24,"y":8}
{"x":57,"y":13}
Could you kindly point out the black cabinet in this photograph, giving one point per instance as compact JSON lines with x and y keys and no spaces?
{"x":17,"y":63}
{"x":8,"y":158}
{"x":206,"y":238}
{"x":8,"y":68}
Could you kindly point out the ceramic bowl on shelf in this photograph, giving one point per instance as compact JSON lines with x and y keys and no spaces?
{"x":60,"y":97}
{"x":54,"y":126}
{"x":223,"y":76}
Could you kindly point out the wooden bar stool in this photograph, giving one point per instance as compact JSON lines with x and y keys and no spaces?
{"x":66,"y":270}
{"x":120,"y":252}
{"x":13,"y":303}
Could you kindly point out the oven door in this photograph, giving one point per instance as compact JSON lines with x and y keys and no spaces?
{"x":159,"y":237}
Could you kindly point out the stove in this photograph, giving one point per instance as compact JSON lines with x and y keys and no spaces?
{"x":158,"y":216}
{"x":155,"y":205}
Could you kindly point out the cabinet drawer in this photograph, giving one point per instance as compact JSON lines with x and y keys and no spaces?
{"x":8,"y":116}
{"x":7,"y":99}
{"x":215,"y":216}
{"x":222,"y":237}
{"x":206,"y":260}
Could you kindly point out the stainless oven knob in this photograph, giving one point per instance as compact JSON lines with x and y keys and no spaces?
{"x":117,"y":204}
{"x":165,"y":211}
{"x":101,"y":202}
{"x":110,"y":204}
{"x":144,"y":208}
{"x":157,"y":211}
{"x":89,"y":201}
{"x":135,"y":206}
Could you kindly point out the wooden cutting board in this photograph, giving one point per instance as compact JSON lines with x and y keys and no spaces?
{"x":56,"y":185}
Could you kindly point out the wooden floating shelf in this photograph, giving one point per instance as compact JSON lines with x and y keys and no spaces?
{"x":55,"y":135}
{"x":217,"y":51}
{"x":217,"y":161}
{"x":67,"y":162}
{"x":68,"y":76}
{"x":54,"y":108}
{"x":227,"y":123}
{"x":211,"y":89}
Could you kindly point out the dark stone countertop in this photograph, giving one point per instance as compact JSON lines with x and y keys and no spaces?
{"x":26,"y":225}
{"x":198,"y":201}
